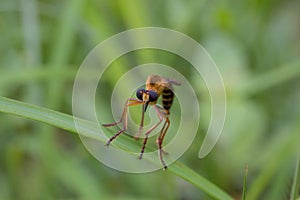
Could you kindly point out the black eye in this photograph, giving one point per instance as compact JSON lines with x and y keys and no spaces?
{"x":152,"y":96}
{"x":139,"y":94}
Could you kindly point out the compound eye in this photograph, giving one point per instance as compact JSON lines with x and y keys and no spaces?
{"x":152,"y":96}
{"x":139,"y":94}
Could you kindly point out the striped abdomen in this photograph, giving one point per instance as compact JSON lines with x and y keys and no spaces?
{"x":167,"y":99}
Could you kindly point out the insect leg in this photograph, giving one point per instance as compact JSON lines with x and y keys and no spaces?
{"x":142,"y":123}
{"x":160,"y":139}
{"x":129,"y":102}
{"x":159,"y":114}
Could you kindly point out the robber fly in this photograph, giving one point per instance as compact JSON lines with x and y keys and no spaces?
{"x":156,"y":86}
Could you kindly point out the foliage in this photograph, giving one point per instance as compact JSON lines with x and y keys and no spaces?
{"x":255,"y":44}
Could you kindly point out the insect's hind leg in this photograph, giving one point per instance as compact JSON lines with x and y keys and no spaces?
{"x":129,"y":102}
{"x":160,"y":139}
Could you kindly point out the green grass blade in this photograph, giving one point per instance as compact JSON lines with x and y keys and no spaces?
{"x":62,"y":48}
{"x":279,"y":155}
{"x":44,"y":115}
{"x":296,"y":182}
{"x":270,"y":79}
{"x":245,"y":183}
{"x":66,"y":122}
{"x":192,"y":177}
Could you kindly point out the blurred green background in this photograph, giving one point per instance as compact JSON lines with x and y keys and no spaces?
{"x":255,"y":44}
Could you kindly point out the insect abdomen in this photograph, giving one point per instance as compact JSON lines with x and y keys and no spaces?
{"x":167,"y":99}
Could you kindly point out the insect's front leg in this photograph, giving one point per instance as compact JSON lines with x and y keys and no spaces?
{"x":129,"y":102}
{"x":141,"y":124}
{"x":159,"y":114}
